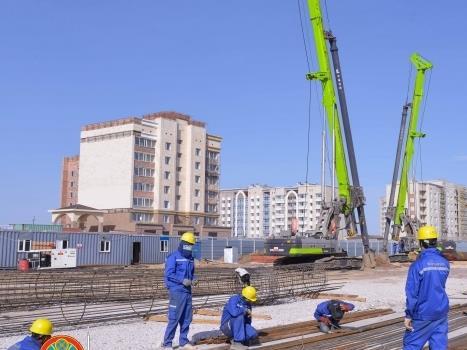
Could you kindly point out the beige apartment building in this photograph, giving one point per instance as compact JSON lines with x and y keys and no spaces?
{"x":158,"y":173}
{"x":261,"y":211}
{"x":439,"y":203}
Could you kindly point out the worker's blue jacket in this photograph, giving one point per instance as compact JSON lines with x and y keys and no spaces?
{"x":178,"y":268}
{"x":323,"y":310}
{"x":425,"y":287}
{"x":28,"y":343}
{"x":235,"y":307}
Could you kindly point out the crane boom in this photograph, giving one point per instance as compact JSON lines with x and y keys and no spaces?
{"x":350,"y":193}
{"x":421,"y":65}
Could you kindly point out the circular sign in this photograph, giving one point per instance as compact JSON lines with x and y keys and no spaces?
{"x":62,"y":342}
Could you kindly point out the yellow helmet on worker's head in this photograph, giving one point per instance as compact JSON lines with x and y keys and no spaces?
{"x":249,"y":293}
{"x":42,"y":326}
{"x":427,"y":232}
{"x":189,"y":237}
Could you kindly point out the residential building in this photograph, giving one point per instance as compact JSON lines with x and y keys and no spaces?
{"x":158,"y":173}
{"x":261,"y":211}
{"x":439,"y":203}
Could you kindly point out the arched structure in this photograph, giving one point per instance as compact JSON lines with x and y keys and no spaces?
{"x":78,"y":215}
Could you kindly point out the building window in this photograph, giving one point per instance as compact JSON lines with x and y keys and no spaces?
{"x":72,"y":173}
{"x":71,"y":194}
{"x":166,"y":204}
{"x":105,"y":247}
{"x":167,"y":175}
{"x":196,"y":193}
{"x":168,"y":146}
{"x":179,"y":197}
{"x":197,"y":165}
{"x":24,"y":245}
{"x":196,"y":206}
{"x":143,"y":217}
{"x":198,"y":151}
{"x":197,"y":178}
{"x":166,"y":219}
{"x":179,"y":155}
{"x":71,"y":184}
{"x":212,"y":234}
{"x":164,"y":246}
{"x":144,"y":142}
{"x":144,"y":172}
{"x":166,"y":189}
{"x":142,"y":202}
{"x":180,"y":142}
{"x":179,"y":168}
{"x":167,"y":160}
{"x":179,"y":183}
{"x":196,"y":220}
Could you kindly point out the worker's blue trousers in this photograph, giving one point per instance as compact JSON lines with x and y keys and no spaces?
{"x":239,"y":330}
{"x":435,"y":332}
{"x":180,"y":312}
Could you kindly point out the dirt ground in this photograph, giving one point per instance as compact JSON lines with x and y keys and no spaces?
{"x":382,"y":287}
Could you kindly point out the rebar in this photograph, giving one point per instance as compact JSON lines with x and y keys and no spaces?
{"x":89,"y":296}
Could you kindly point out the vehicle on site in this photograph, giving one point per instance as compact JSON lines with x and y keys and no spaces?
{"x":397,"y":214}
{"x":348,"y":203}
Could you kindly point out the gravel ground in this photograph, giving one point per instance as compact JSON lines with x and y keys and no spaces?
{"x":383,"y":287}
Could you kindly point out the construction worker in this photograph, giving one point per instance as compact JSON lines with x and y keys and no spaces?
{"x":236,"y":319}
{"x":179,"y":278}
{"x":41,"y":331}
{"x":330,"y":313}
{"x":427,"y":303}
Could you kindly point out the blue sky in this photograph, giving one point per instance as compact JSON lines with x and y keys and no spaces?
{"x":237,"y":65}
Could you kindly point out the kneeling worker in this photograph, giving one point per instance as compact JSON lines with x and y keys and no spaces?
{"x":41,"y":331}
{"x":330,"y":313}
{"x":236,"y":319}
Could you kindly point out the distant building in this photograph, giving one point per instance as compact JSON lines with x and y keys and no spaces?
{"x":260,"y":210}
{"x":439,"y":203}
{"x":158,"y":173}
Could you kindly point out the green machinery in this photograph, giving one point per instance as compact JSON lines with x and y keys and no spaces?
{"x":350,"y":200}
{"x":398,"y":214}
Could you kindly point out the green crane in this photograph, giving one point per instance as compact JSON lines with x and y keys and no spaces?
{"x":398,"y":214}
{"x":350,"y":194}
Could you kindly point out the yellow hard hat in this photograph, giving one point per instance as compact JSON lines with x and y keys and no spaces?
{"x":42,"y":326}
{"x":249,"y":293}
{"x":427,"y":232}
{"x":189,"y":237}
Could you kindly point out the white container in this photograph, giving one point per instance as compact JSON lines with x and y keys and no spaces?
{"x":231,"y":255}
{"x":63,"y":258}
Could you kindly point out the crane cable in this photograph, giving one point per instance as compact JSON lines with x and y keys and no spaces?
{"x":310,"y":63}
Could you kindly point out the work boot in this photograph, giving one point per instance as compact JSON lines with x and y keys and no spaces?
{"x":165,"y":347}
{"x":188,"y":346}
{"x":237,"y":346}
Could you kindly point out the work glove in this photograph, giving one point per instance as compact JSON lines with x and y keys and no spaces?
{"x":408,"y":324}
{"x":325,"y":320}
{"x":186,"y":282}
{"x":248,"y":312}
{"x":194,"y":283}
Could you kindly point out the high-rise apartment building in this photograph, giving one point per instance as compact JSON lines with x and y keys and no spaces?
{"x":439,"y":203}
{"x":260,"y":211}
{"x":158,"y":173}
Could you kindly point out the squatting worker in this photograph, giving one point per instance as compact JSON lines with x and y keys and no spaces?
{"x":236,"y":319}
{"x":427,"y":303}
{"x":179,"y":277}
{"x":41,"y":330}
{"x":330,"y":313}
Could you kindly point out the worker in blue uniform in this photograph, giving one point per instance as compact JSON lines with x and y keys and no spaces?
{"x":427,"y":304}
{"x":330,"y":313}
{"x":236,"y":319}
{"x":41,"y":331}
{"x":179,"y":277}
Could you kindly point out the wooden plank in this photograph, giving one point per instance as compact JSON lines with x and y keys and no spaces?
{"x":351,"y":297}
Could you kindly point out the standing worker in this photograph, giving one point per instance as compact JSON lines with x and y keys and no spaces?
{"x":330,"y":313}
{"x":41,"y":331}
{"x":427,"y":304}
{"x":236,"y":319}
{"x":179,"y":277}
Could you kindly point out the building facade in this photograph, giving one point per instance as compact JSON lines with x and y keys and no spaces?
{"x":439,"y":203}
{"x":261,"y":211}
{"x":158,"y":174}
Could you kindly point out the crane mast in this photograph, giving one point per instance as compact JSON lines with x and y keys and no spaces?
{"x":398,"y":213}
{"x":350,"y":197}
